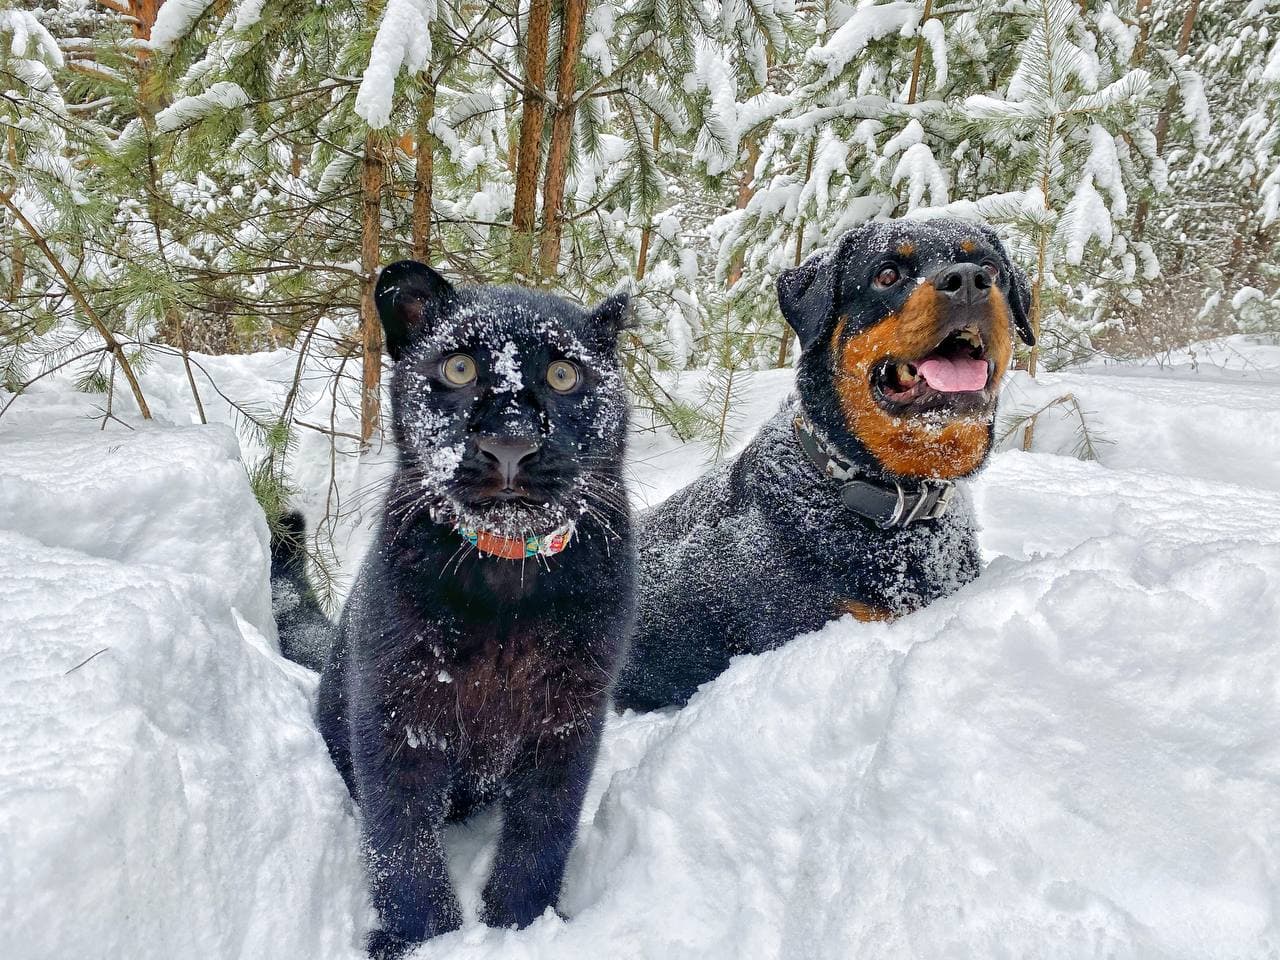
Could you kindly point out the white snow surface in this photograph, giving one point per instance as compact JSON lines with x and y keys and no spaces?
{"x":1078,"y":755}
{"x":163,"y":790}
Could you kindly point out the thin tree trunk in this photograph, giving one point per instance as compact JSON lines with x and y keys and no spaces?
{"x":575,"y":12}
{"x":19,"y":255}
{"x":424,"y":161}
{"x":529,"y":153}
{"x":642,"y":260}
{"x":918,"y":62}
{"x":1143,"y":16}
{"x":1166,"y":112}
{"x":785,"y":347}
{"x":370,"y":327}
{"x":1184,"y":42}
{"x":746,"y":190}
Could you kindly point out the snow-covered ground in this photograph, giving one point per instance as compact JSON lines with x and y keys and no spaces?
{"x":1076,"y":756}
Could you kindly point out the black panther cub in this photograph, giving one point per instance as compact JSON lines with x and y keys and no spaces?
{"x":474,"y":658}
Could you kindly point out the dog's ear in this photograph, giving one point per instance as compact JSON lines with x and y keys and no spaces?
{"x":410,"y":297}
{"x":613,"y":314}
{"x":1019,"y":289}
{"x":810,"y":293}
{"x":1020,"y":303}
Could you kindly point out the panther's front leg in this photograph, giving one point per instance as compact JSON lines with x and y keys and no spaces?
{"x":540,"y":820}
{"x":404,"y":809}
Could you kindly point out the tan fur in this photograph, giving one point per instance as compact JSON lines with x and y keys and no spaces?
{"x":913,"y":447}
{"x":864,"y":612}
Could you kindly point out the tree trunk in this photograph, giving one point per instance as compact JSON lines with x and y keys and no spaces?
{"x":918,"y":62}
{"x":529,"y":153}
{"x":785,"y":347}
{"x":19,"y":254}
{"x":746,"y":190}
{"x":1166,"y":112}
{"x":575,"y":12}
{"x":424,"y":160}
{"x":1037,"y":286}
{"x":1143,"y":16}
{"x":371,"y":178}
{"x":642,"y":260}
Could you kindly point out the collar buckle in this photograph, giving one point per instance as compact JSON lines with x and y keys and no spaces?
{"x":885,"y":502}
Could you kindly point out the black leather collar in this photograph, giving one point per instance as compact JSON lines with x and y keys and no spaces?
{"x":889,"y":504}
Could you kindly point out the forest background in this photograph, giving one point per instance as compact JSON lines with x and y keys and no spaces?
{"x":193,"y":177}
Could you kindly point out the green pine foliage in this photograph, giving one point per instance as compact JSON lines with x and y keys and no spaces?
{"x":206,"y":188}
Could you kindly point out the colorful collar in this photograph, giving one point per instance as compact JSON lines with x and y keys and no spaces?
{"x":518,"y":548}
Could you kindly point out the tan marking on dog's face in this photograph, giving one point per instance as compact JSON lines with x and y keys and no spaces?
{"x":968,"y":246}
{"x":864,"y":612}
{"x":907,"y":446}
{"x":906,"y":249}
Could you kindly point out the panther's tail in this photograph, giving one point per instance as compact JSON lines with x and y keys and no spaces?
{"x":304,"y":629}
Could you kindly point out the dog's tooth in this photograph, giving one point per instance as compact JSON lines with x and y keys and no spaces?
{"x":906,"y":373}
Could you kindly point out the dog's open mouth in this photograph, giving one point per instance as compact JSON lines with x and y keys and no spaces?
{"x":956,"y":375}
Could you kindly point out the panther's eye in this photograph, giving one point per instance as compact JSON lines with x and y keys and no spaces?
{"x":563,"y":376}
{"x":991,"y":269}
{"x":459,"y":369}
{"x":886,"y":276}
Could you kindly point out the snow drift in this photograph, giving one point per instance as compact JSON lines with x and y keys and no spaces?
{"x":163,"y":792}
{"x":1078,"y":755}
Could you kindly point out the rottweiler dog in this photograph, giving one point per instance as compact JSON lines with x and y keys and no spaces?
{"x":846,"y":501}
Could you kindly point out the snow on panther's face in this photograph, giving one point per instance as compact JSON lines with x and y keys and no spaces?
{"x":508,"y":405}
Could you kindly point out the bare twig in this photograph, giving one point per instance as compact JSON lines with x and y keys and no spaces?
{"x":86,"y":660}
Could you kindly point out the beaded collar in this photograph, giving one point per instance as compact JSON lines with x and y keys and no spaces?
{"x":518,"y":548}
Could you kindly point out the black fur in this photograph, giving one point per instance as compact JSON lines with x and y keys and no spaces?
{"x":457,"y":680}
{"x":304,"y":630}
{"x":763,"y":549}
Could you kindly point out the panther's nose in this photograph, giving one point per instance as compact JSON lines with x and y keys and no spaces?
{"x":507,"y":454}
{"x":963,"y":283}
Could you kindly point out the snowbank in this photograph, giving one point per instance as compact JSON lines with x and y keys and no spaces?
{"x":1075,"y":756}
{"x":163,"y":792}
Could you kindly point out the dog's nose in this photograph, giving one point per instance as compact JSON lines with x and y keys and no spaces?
{"x":964,"y":283}
{"x":507,"y":454}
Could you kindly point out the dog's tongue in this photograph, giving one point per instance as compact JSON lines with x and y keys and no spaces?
{"x":953,"y":376}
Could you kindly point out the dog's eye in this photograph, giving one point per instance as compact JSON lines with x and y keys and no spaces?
{"x":991,"y":269}
{"x":458,"y":369}
{"x":562,"y":375}
{"x":886,"y":276}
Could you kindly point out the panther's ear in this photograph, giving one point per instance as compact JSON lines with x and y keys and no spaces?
{"x":810,"y":293}
{"x":1019,"y":289}
{"x":613,"y":313}
{"x":410,"y":297}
